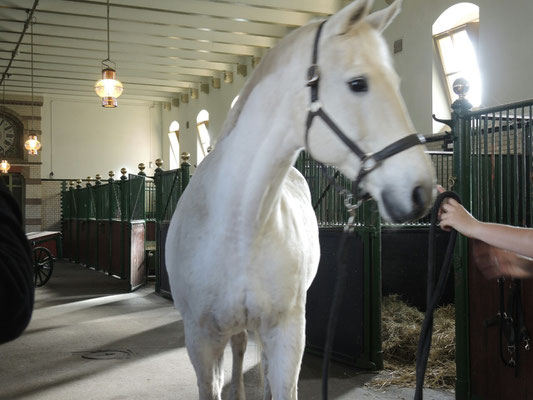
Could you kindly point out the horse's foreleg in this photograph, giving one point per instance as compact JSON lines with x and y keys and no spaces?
{"x":206,"y":353}
{"x":267,"y":394}
{"x":284,"y":346}
{"x":238,"y":347}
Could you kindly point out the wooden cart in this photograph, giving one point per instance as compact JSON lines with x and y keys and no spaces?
{"x":46,"y":247}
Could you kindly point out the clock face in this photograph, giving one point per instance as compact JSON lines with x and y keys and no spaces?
{"x":7,"y":135}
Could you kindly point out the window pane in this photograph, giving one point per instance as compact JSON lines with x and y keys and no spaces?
{"x":449,"y":59}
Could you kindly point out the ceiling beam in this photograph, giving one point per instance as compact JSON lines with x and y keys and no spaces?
{"x":90,"y":77}
{"x":118,"y":57}
{"x":73,"y":22}
{"x":94,"y":63}
{"x":67,"y":8}
{"x":201,"y":7}
{"x":44,"y":33}
{"x":21,"y":37}
{"x":45,"y":45}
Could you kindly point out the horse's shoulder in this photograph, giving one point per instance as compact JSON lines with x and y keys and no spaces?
{"x":295,"y":183}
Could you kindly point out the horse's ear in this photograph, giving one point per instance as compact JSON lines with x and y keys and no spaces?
{"x":350,"y":15}
{"x":382,"y":18}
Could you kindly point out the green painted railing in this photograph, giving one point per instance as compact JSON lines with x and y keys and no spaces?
{"x":492,"y":163}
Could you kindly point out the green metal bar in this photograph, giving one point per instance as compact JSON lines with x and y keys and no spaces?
{"x":462,"y":167}
{"x":523,"y":219}
{"x":516,"y":176}
{"x":508,"y":165}
{"x":500,"y":172}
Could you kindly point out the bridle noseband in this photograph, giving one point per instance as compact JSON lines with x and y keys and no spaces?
{"x":369,"y":161}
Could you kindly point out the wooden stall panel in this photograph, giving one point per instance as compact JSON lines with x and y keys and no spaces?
{"x":104,"y":241}
{"x":150,"y":231}
{"x":66,"y":229}
{"x":92,"y":244}
{"x":74,"y":240}
{"x":162,"y":275}
{"x":348,"y":344}
{"x":491,"y":379}
{"x":83,"y":239}
{"x":117,"y":244}
{"x":137,"y":256}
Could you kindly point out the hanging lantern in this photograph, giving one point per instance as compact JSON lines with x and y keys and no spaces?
{"x":4,"y":166}
{"x":32,"y":145}
{"x":108,"y":88}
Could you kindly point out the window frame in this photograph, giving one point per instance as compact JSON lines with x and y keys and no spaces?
{"x":450,"y":33}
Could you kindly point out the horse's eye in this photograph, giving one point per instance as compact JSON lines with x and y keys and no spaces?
{"x":359,"y":84}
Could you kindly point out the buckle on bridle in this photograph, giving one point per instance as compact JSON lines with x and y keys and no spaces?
{"x":313,"y":74}
{"x":368,"y":163}
{"x":314,"y":106}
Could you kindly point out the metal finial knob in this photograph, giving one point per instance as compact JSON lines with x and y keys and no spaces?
{"x":461,"y":87}
{"x":88,"y":178}
{"x":78,"y":181}
{"x":123,"y":171}
{"x":185,"y":156}
{"x":141,"y":169}
{"x":159,"y":163}
{"x":71,"y":183}
{"x":111,"y":174}
{"x":97,"y":177}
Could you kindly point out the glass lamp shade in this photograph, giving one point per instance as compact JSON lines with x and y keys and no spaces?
{"x":108,"y":88}
{"x":4,"y":166}
{"x":32,"y":145}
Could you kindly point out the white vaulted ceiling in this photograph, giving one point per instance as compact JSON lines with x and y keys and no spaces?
{"x":161,"y":47}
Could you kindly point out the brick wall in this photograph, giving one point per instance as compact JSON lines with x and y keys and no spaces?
{"x":51,"y":205}
{"x":29,"y":166}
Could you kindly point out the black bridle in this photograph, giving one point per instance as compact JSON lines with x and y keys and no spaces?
{"x":369,"y":161}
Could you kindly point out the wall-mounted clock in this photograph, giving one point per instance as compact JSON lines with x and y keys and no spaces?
{"x":11,"y":130}
{"x":8,"y":132}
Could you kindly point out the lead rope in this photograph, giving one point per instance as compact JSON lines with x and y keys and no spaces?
{"x":338,"y":291}
{"x":434,"y":293}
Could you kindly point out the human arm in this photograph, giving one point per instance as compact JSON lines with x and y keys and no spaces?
{"x":16,"y":271}
{"x":511,"y":238}
{"x":506,"y":251}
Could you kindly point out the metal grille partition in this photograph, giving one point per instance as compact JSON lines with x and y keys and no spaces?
{"x":493,"y":160}
{"x":169,"y":187}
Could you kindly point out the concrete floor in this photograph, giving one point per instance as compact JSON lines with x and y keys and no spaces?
{"x":80,"y":311}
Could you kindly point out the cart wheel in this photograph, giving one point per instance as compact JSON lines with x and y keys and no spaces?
{"x":43,"y":265}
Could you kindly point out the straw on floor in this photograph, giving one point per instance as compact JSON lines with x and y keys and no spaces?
{"x":400,"y":330}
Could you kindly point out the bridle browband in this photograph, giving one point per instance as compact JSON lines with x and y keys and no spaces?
{"x":369,"y":161}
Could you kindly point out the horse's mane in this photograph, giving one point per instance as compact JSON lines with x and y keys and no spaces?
{"x":269,"y":63}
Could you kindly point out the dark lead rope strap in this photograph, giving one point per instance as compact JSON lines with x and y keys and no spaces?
{"x":434,"y":293}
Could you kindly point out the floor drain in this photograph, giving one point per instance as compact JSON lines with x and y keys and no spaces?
{"x":107,"y":355}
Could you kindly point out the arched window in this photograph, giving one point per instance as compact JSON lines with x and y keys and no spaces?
{"x":202,"y":123}
{"x":15,"y":184}
{"x":455,"y":33}
{"x":174,"y":138}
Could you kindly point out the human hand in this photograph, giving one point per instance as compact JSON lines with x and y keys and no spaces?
{"x":453,"y":215}
{"x":494,"y":262}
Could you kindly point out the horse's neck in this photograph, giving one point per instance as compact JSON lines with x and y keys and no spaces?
{"x":258,"y":155}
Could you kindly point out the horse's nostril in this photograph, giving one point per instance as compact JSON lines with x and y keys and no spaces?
{"x":419,"y":197}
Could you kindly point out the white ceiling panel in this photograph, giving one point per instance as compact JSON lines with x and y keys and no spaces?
{"x":161,"y":48}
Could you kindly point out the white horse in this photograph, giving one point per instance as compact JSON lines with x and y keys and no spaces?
{"x":242,"y":247}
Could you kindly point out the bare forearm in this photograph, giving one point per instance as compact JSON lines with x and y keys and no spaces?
{"x":511,"y":238}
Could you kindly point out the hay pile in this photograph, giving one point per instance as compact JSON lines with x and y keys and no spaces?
{"x":400,"y":331}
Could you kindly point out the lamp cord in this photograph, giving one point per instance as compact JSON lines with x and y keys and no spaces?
{"x":108,"y":31}
{"x":31,"y":61}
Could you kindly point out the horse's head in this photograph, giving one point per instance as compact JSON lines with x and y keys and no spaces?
{"x":359,"y":90}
